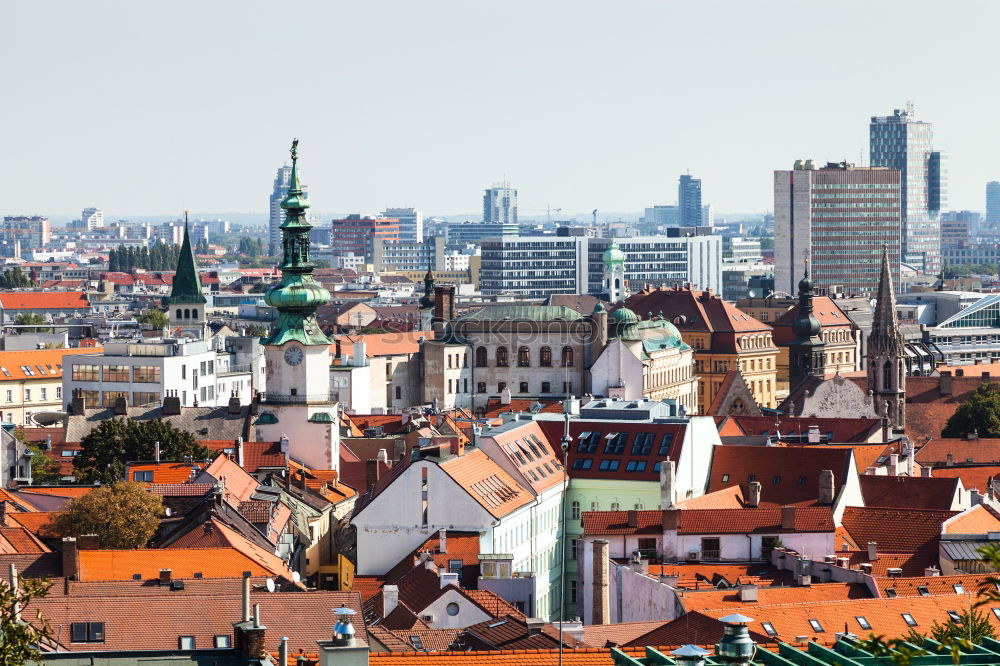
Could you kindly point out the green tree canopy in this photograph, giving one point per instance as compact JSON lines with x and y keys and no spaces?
{"x":32,"y":320}
{"x":981,"y":412}
{"x":105,"y":451}
{"x":19,"y":638}
{"x":122,"y":515}
{"x":155,"y":318}
{"x":15,"y":278}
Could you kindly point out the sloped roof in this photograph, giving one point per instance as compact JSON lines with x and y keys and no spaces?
{"x":384,"y":344}
{"x":202,"y":422}
{"x":20,"y":540}
{"x":38,"y":364}
{"x":523,"y":313}
{"x":928,"y":409}
{"x":979,"y":519}
{"x":709,"y":521}
{"x":977,"y":477}
{"x":705,"y":599}
{"x":895,"y":530}
{"x":486,"y":482}
{"x":727,"y":498}
{"x":696,"y":310}
{"x":164,"y":472}
{"x":839,"y":431}
{"x":922,"y":586}
{"x":963,"y":451}
{"x":239,"y":484}
{"x":788,"y":475}
{"x":44,"y":300}
{"x":908,"y":492}
{"x":184,"y":562}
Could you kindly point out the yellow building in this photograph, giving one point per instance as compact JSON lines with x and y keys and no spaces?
{"x":723,"y":337}
{"x":31,"y":382}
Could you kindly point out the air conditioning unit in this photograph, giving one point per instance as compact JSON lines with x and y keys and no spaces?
{"x":694,"y":555}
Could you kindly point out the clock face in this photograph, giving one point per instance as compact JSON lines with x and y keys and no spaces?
{"x":293,"y":356}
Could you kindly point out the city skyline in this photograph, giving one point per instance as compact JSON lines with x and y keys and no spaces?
{"x":585,"y":121}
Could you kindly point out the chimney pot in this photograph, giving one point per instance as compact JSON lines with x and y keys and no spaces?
{"x":872,"y":551}
{"x":390,"y":599}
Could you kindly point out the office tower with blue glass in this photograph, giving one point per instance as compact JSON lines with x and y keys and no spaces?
{"x":902,"y":142}
{"x":993,"y":201}
{"x":689,"y":201}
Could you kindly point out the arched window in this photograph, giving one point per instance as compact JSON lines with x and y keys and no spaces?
{"x":179,"y":314}
{"x":545,"y":357}
{"x":480,"y":357}
{"x":501,"y":357}
{"x":887,"y":376}
{"x":524,"y":387}
{"x":523,"y":357}
{"x":187,"y":313}
{"x":567,"y":356}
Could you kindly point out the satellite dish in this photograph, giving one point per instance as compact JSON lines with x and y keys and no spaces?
{"x":296,"y":577}
{"x":269,"y":584}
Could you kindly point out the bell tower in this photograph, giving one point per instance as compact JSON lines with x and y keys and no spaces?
{"x":187,"y":302}
{"x":614,"y":273}
{"x":807,"y":352}
{"x":886,"y":352}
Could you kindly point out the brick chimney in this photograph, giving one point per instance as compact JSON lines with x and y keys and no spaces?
{"x":671,"y":519}
{"x":601,"y":611}
{"x":788,"y":517}
{"x":89,"y":542}
{"x":753,"y":495}
{"x":371,"y":473}
{"x":250,"y":639}
{"x":826,"y":486}
{"x":444,"y":303}
{"x":234,"y":406}
{"x":121,"y":406}
{"x":77,"y":405}
{"x":633,"y":518}
{"x":70,"y":558}
{"x":166,"y":575}
{"x":945,"y":383}
{"x":171,"y":404}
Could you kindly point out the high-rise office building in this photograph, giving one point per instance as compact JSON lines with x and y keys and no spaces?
{"x":91,"y":218}
{"x":356,"y":235}
{"x":838,"y":216}
{"x":500,"y":204}
{"x":689,"y":201}
{"x":411,"y":223}
{"x":276,"y":214}
{"x":957,"y":227}
{"x":993,"y":201}
{"x":20,"y":233}
{"x":903,"y":143}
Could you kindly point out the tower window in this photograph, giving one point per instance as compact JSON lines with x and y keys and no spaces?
{"x":501,"y":357}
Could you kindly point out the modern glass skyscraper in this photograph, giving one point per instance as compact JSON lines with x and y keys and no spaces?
{"x":903,"y":143}
{"x":275,"y":214}
{"x":500,"y":204}
{"x":993,"y":201}
{"x":689,"y":201}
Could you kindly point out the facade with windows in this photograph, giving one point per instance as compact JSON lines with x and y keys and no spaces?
{"x":836,"y":217}
{"x":198,"y":372}
{"x":689,"y":201}
{"x":411,"y":223}
{"x":970,"y":336}
{"x":902,"y":143}
{"x":500,"y":204}
{"x":32,"y":381}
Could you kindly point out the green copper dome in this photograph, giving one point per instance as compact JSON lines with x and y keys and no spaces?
{"x":297,"y":295}
{"x":623,"y":316}
{"x":613,"y":256}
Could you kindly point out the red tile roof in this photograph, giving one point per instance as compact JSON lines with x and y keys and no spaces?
{"x":922,"y":586}
{"x":384,"y":344}
{"x":908,"y":492}
{"x":486,"y":482}
{"x":164,"y":472}
{"x":730,"y":598}
{"x":494,"y":407}
{"x":963,"y":451}
{"x":255,"y":454}
{"x":708,"y":521}
{"x":972,"y":477}
{"x":788,"y":475}
{"x":185,"y":562}
{"x":895,"y":530}
{"x":38,"y":364}
{"x":44,"y":300}
{"x":702,"y":310}
{"x":928,"y":410}
{"x":838,"y":431}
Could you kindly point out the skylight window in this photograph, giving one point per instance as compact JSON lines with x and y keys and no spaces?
{"x":924,"y":592}
{"x":890,"y":592}
{"x":910,"y":622}
{"x":815,"y":625}
{"x":955,"y":617}
{"x":959,"y":589}
{"x":863,"y":622}
{"x":769,"y":629}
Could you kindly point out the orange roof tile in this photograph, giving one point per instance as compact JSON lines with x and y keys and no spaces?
{"x":788,"y":475}
{"x":184,"y":563}
{"x":20,"y":540}
{"x":240,"y":484}
{"x":36,"y":522}
{"x":385,"y":344}
{"x":486,"y":482}
{"x":962,"y":451}
{"x":979,"y":519}
{"x":977,"y":477}
{"x":37,"y":364}
{"x":923,"y":586}
{"x":726,"y":498}
{"x":730,"y":598}
{"x":44,"y":300}
{"x":163,"y":472}
{"x":709,"y":521}
{"x":894,"y":530}
{"x":908,"y":492}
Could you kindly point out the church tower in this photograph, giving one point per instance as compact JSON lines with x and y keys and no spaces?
{"x":427,"y":302}
{"x":807,"y":352}
{"x":187,"y":302}
{"x":297,"y":405}
{"x":614,"y":273}
{"x":886,"y":352}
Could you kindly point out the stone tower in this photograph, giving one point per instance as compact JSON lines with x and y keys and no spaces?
{"x":187,"y":302}
{"x":886,"y":353}
{"x":807,"y":352}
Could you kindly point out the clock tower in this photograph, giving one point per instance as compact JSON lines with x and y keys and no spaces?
{"x":296,"y":406}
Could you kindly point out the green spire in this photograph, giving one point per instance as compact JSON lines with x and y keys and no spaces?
{"x":298,"y":294}
{"x":186,"y":287}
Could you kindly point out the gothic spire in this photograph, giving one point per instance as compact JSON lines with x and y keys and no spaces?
{"x":186,"y":287}
{"x":885,"y":336}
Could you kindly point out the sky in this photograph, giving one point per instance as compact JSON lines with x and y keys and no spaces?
{"x":156,"y":107}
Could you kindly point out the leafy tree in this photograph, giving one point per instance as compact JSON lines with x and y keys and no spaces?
{"x":43,"y":468}
{"x":256,"y":330}
{"x":15,"y":278}
{"x":155,"y":318}
{"x":981,"y":412}
{"x":123,"y":515}
{"x":972,"y":625}
{"x":19,"y":638}
{"x":31,"y":320}
{"x":114,"y":442}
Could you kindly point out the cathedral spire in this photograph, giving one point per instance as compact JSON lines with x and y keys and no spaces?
{"x":885,"y":335}
{"x":887,"y":353}
{"x":186,"y":287}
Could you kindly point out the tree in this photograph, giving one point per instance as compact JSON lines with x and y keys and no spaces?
{"x":122,"y":515}
{"x":111,"y":444}
{"x":155,"y":318}
{"x":15,"y":278}
{"x":981,"y":412}
{"x":19,"y":639}
{"x":43,"y":468}
{"x":972,"y":624}
{"x":32,"y":320}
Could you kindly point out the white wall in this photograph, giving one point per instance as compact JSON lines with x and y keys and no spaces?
{"x":615,"y":365}
{"x":317,"y":445}
{"x":695,"y":461}
{"x":468,"y":613}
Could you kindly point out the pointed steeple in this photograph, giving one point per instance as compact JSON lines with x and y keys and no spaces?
{"x":806,"y":353}
{"x":885,"y":336}
{"x":427,"y":301}
{"x":186,"y":287}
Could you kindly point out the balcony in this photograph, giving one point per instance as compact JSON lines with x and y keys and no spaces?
{"x":240,"y":369}
{"x":300,"y":399}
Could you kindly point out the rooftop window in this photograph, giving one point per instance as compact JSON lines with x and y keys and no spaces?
{"x":910,"y":622}
{"x":863,"y":622}
{"x":769,"y":629}
{"x":815,"y":625}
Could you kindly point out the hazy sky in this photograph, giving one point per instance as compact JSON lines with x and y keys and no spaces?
{"x":151,"y":107}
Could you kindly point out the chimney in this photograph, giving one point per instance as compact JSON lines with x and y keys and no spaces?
{"x":813,"y":434}
{"x":788,"y":517}
{"x":534,"y":625}
{"x":894,"y":464}
{"x":505,"y":396}
{"x":78,"y":405}
{"x":88,"y":542}
{"x":171,"y":404}
{"x":671,"y":519}
{"x":871,"y":470}
{"x":70,"y":558}
{"x":245,"y":611}
{"x":668,"y":480}
{"x":443,"y":540}
{"x":250,"y":637}
{"x":633,"y":518}
{"x":945,"y":383}
{"x":826,"y":486}
{"x":949,"y":460}
{"x":382,"y":456}
{"x":239,"y":451}
{"x":457,"y":447}
{"x":872,"y":551}
{"x":121,"y":406}
{"x":926,"y":471}
{"x":3,"y":513}
{"x":748,"y":593}
{"x":165,"y":576}
{"x":283,"y":651}
{"x":972,"y":436}
{"x":156,"y":450}
{"x":444,"y":304}
{"x":234,"y":407}
{"x":285,"y":444}
{"x":15,"y":587}
{"x":390,"y":599}
{"x":371,"y":473}
{"x":866,"y":568}
{"x":753,"y":495}
{"x":446,"y":578}
{"x":601,"y":611}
